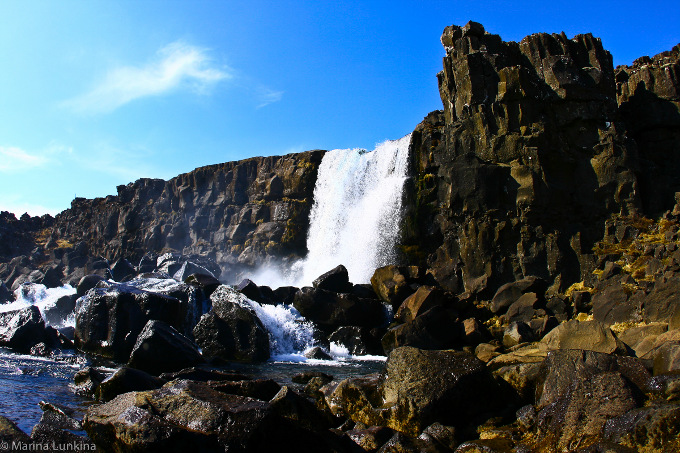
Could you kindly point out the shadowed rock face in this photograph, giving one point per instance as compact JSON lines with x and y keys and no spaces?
{"x":518,"y":173}
{"x":648,"y":93}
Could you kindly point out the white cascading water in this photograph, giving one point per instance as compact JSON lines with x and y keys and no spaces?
{"x":356,"y":216}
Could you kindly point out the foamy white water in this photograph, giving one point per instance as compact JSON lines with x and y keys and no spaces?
{"x":357,"y":211}
{"x":42,"y":297}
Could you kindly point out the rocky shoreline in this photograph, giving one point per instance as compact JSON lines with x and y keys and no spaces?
{"x":535,"y":308}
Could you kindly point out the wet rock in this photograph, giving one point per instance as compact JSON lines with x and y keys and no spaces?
{"x":10,"y":433}
{"x":564,"y":368}
{"x":122,"y":270}
{"x":336,"y":280}
{"x":88,"y":379}
{"x":160,"y":348}
{"x":125,"y":380}
{"x":204,"y":375}
{"x":507,"y":294}
{"x":420,"y":387}
{"x":392,"y":283}
{"x":305,"y":377}
{"x":207,"y":283}
{"x":474,"y":332}
{"x":285,"y":294}
{"x":517,"y":333}
{"x":331,"y":309}
{"x":260,"y":389}
{"x":441,"y":436}
{"x":526,"y":417}
{"x":586,"y":335}
{"x":578,"y":417}
{"x":190,"y":416}
{"x":260,"y":294}
{"x":52,"y":277}
{"x":231,"y":331}
{"x":57,"y":438}
{"x":652,"y":428}
{"x":292,"y":406}
{"x":109,"y":319}
{"x":419,"y":302}
{"x":317,"y":353}
{"x":372,"y":438}
{"x":87,"y":283}
{"x":59,"y":416}
{"x":357,"y":340}
{"x":63,"y":307}
{"x":22,"y":329}
{"x":435,"y":329}
{"x":5,"y":294}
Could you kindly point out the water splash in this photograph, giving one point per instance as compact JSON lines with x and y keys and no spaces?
{"x":45,"y":299}
{"x":357,"y":211}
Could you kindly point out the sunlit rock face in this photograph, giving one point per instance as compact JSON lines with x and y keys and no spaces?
{"x":237,"y":213}
{"x":518,"y":173}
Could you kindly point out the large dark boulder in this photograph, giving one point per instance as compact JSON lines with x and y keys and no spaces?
{"x":10,"y":433}
{"x":87,"y":283}
{"x":357,"y":340}
{"x":109,"y":318}
{"x":160,"y":348}
{"x":5,"y":294}
{"x":335,"y":280}
{"x":22,"y":329}
{"x":125,"y":380}
{"x":259,"y":294}
{"x":392,"y":283}
{"x":230,"y":330}
{"x":122,"y":270}
{"x":330,"y":310}
{"x":191,"y":416}
{"x":437,"y":328}
{"x":419,"y":388}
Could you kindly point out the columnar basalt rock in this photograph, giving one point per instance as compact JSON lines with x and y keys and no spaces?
{"x":238,"y":214}
{"x":519,"y":172}
{"x":648,"y":93}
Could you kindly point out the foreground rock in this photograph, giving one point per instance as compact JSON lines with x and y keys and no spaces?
{"x":191,"y":416}
{"x":231,"y":330}
{"x":160,"y":349}
{"x":22,"y":329}
{"x":420,"y":388}
{"x":109,"y":319}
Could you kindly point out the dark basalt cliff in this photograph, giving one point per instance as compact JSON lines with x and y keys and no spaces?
{"x":235,"y":213}
{"x":531,"y":156}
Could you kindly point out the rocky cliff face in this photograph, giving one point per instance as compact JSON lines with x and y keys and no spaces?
{"x":648,"y":93}
{"x":237,"y":214}
{"x":530,"y":156}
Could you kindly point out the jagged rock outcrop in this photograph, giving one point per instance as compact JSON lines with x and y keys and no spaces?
{"x":528,"y":159}
{"x":648,"y":93}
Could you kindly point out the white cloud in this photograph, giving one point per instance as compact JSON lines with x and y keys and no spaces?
{"x":16,"y":159}
{"x":177,"y":65}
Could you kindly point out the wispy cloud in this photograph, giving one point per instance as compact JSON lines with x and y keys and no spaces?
{"x":14,"y":159}
{"x":176,"y":66}
{"x":17,"y":159}
{"x":268,"y":96}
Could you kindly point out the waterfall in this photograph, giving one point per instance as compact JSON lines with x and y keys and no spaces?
{"x":357,"y":211}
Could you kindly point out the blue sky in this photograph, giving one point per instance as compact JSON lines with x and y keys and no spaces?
{"x":94,"y":94}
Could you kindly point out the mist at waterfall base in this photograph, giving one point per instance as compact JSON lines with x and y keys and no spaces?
{"x":355,"y":219}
